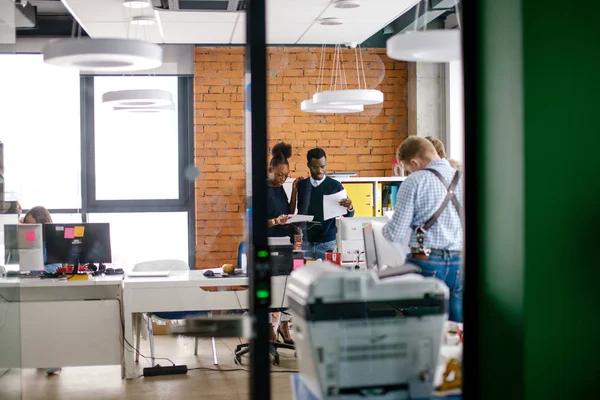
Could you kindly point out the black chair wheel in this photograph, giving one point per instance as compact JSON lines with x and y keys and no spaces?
{"x":295,"y":354}
{"x":275,"y":360}
{"x":238,"y":360}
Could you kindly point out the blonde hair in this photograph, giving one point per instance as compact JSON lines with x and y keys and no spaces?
{"x":454,"y":163}
{"x":414,"y":147}
{"x":438,"y":145}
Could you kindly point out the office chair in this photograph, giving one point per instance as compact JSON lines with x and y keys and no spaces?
{"x":171,"y":266}
{"x":244,"y":348}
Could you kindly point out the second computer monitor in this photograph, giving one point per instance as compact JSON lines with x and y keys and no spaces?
{"x":23,"y":246}
{"x":78,"y":243}
{"x":351,"y":228}
{"x":381,"y":252}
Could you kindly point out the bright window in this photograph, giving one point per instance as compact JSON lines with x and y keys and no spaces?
{"x":137,"y":237}
{"x":136,"y":154}
{"x":40,"y":131}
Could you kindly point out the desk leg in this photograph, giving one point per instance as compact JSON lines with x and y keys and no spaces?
{"x":128,"y":337}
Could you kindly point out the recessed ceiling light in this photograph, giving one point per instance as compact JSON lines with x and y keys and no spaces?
{"x":331,"y":21}
{"x":143,"y":20}
{"x":347,"y":4}
{"x":136,"y":3}
{"x":103,"y":55}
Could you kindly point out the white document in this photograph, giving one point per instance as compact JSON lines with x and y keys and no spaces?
{"x":299,"y":218}
{"x":331,"y":205}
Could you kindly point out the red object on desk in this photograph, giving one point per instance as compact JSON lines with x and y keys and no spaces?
{"x":334,"y":257}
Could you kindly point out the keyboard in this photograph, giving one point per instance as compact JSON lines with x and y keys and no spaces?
{"x":148,"y":274}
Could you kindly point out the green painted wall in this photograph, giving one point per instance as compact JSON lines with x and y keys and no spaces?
{"x":561,"y":59}
{"x":538,"y":222}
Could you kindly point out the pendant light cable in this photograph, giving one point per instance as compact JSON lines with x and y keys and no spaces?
{"x":321,"y":69}
{"x":417,"y":16}
{"x":356,"y":58}
{"x":362,"y":66}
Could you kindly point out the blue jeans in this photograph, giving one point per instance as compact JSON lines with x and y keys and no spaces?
{"x":317,"y":250}
{"x":446,"y":268}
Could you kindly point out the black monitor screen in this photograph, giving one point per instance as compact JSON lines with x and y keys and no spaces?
{"x":77,"y":243}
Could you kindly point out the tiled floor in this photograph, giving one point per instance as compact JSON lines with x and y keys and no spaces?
{"x":95,"y":383}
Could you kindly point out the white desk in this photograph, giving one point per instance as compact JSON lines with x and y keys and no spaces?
{"x":59,"y":323}
{"x":186,"y":292}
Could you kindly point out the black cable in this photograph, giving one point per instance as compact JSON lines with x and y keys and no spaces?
{"x":284,"y":290}
{"x":126,"y":342}
{"x":138,"y":352}
{"x":285,"y":371}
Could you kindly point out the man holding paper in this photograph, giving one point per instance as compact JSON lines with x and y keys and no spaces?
{"x":324,"y":198}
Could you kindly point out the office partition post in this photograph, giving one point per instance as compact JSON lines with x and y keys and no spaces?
{"x":256,"y":191}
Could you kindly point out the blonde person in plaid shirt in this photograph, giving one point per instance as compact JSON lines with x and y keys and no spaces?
{"x":419,"y":198}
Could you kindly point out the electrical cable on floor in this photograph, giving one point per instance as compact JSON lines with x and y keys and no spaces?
{"x":284,"y":371}
{"x":134,"y":350}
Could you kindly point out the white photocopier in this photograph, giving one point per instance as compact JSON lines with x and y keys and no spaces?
{"x":367,"y":334}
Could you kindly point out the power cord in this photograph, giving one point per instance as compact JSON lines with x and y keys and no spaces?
{"x":283,"y":371}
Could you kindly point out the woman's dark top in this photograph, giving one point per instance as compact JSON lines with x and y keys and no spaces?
{"x":278,"y":205}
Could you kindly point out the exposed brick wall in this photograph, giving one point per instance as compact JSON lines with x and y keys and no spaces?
{"x":363,"y":142}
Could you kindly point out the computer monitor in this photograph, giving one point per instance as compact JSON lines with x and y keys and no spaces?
{"x":77,"y":243}
{"x":6,"y":219}
{"x":350,"y":236}
{"x":351,"y":228}
{"x":370,"y":250}
{"x":388,"y":254}
{"x":23,"y":246}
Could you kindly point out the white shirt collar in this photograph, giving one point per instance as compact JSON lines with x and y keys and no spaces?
{"x":316,"y":183}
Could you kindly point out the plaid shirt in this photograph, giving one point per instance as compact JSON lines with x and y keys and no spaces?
{"x":419,"y":197}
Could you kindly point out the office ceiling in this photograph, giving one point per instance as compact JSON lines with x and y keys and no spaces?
{"x":288,"y":21}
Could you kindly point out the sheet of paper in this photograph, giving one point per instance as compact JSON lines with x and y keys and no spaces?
{"x":299,"y":218}
{"x":69,"y":233}
{"x":30,"y":236}
{"x":331,"y":205}
{"x":79,"y":231}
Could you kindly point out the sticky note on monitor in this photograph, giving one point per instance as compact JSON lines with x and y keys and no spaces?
{"x":69,"y":233}
{"x":79,"y":231}
{"x":30,"y":236}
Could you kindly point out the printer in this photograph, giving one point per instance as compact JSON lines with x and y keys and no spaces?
{"x":369,"y":333}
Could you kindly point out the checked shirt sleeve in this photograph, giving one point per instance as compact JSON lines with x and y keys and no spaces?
{"x":396,"y":229}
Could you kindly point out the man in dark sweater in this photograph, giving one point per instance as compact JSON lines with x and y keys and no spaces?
{"x":317,"y":238}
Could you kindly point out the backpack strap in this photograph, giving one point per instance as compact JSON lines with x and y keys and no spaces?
{"x":450,"y":196}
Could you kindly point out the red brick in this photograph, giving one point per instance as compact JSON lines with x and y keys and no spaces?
{"x":363,"y":142}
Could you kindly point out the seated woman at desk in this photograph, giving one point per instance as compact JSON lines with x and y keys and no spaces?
{"x":278,"y":207}
{"x":40,"y":215}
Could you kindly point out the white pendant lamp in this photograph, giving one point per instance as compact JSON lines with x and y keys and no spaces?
{"x":103,"y":55}
{"x":425,"y":46}
{"x":340,"y":99}
{"x":143,"y":20}
{"x":145,"y":110}
{"x":138,"y":98}
{"x":436,"y":45}
{"x":311,"y":107}
{"x":349,"y":97}
{"x":344,"y":96}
